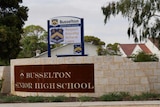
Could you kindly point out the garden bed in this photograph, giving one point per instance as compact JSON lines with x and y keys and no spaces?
{"x":116,"y":96}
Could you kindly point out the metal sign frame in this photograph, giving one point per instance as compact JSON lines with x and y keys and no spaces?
{"x":54,"y":24}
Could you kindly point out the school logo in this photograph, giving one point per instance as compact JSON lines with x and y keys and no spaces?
{"x":22,"y":74}
{"x":77,"y":49}
{"x":57,"y":35}
{"x":55,"y":22}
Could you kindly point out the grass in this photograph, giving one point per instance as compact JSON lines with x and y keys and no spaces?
{"x":114,"y":96}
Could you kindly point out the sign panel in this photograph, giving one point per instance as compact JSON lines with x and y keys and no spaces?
{"x":65,"y":30}
{"x":54,"y":78}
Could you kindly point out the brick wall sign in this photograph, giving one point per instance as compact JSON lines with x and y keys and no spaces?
{"x":54,"y":78}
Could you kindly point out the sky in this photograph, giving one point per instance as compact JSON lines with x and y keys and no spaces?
{"x":114,"y":31}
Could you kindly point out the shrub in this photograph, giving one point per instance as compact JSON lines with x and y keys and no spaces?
{"x":143,"y":57}
{"x":1,"y":83}
{"x":111,"y":97}
{"x":35,"y":99}
{"x":146,"y":96}
{"x":84,"y":98}
{"x":57,"y":99}
{"x":116,"y":96}
{"x":12,"y":99}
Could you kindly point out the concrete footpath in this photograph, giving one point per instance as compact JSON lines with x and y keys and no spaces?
{"x":87,"y":104}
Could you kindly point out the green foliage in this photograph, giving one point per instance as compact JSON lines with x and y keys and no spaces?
{"x":35,"y":30}
{"x":113,"y":49}
{"x":4,"y":62}
{"x":143,"y":57}
{"x":115,"y":96}
{"x":143,"y":16}
{"x":1,"y":83}
{"x":101,"y":50}
{"x":33,"y":99}
{"x":12,"y":99}
{"x":29,"y":46}
{"x":57,"y":99}
{"x":12,"y":19}
{"x":146,"y":96}
{"x":85,"y":98}
{"x":96,"y":41}
{"x":33,"y":38}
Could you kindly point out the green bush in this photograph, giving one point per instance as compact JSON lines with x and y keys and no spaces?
{"x":12,"y":99}
{"x":57,"y":99}
{"x":111,"y":97}
{"x":116,"y":96}
{"x":1,"y":83}
{"x":84,"y":98}
{"x":143,"y":57}
{"x":33,"y":99}
{"x":146,"y":96}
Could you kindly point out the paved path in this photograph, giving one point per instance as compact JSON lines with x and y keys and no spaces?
{"x":87,"y":104}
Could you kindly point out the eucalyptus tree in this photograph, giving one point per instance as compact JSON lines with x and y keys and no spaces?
{"x":143,"y":17}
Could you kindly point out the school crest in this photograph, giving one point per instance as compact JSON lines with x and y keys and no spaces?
{"x":57,"y":35}
{"x":55,"y":22}
{"x":77,"y":49}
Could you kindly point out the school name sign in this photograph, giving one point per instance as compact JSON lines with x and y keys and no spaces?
{"x":55,"y":78}
{"x":65,"y":29}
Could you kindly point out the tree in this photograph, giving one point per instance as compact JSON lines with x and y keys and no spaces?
{"x":96,"y":41}
{"x":12,"y":18}
{"x":113,"y":49}
{"x":29,"y":46}
{"x":143,"y":17}
{"x":93,"y":40}
{"x":35,"y":30}
{"x":33,"y":39}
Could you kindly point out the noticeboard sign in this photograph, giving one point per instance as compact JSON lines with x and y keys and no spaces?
{"x":54,"y":78}
{"x":65,"y":30}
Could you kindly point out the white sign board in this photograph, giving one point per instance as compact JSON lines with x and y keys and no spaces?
{"x":65,"y":30}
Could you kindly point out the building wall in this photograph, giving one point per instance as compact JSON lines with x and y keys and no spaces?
{"x":90,"y":50}
{"x":5,"y":75}
{"x":111,"y":74}
{"x":136,"y":50}
{"x":122,"y":52}
{"x":153,"y":48}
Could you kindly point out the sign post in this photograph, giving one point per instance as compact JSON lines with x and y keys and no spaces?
{"x":49,"y":47}
{"x":64,"y":30}
{"x":82,"y":37}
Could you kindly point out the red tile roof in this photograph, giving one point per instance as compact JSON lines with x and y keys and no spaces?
{"x":145,"y":48}
{"x":128,"y":48}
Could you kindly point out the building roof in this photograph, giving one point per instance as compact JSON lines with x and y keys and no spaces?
{"x":145,"y":48}
{"x":129,"y":48}
{"x":155,"y":42}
